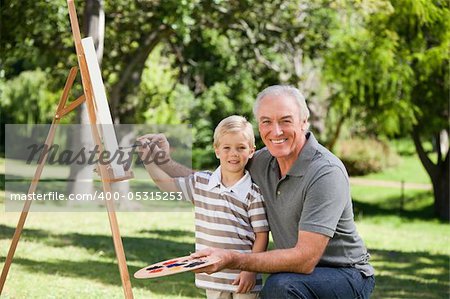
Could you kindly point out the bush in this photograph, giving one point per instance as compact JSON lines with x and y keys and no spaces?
{"x":363,"y":156}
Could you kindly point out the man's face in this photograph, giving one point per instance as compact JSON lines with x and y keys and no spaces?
{"x":280,"y":126}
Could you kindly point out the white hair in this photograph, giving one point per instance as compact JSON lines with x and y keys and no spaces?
{"x":287,"y":90}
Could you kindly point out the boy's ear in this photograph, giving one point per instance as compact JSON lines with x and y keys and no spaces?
{"x":216,"y":150}
{"x":252,"y":152}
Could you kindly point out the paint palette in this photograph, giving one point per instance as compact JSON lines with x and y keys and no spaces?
{"x":174,"y":266}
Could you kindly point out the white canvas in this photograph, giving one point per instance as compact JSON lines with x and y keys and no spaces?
{"x":104,"y":119}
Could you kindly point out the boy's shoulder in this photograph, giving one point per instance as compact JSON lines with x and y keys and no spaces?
{"x":202,"y":177}
{"x":254,"y":191}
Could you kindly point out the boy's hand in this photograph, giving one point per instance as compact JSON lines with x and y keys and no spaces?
{"x":159,"y":140}
{"x":150,"y":144}
{"x":246,"y":281}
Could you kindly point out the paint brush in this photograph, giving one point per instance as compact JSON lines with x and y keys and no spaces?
{"x":138,"y":144}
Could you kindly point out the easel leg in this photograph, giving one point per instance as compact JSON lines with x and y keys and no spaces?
{"x":26,"y":206}
{"x":36,"y":178}
{"x":118,"y":246}
{"x":14,"y":242}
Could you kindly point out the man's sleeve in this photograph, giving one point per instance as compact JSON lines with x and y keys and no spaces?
{"x":326,"y":198}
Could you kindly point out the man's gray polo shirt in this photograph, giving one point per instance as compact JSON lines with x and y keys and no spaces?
{"x":314,"y":196}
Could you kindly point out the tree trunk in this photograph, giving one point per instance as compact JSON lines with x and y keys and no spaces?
{"x":81,"y":176}
{"x":335,"y":135}
{"x":134,"y":68}
{"x":439,"y":175}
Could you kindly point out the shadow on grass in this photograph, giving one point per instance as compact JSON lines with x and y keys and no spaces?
{"x":410,"y":274}
{"x":108,"y":273}
{"x":391,"y":206}
{"x":6,"y":232}
{"x":168,"y":233}
{"x":142,"y":251}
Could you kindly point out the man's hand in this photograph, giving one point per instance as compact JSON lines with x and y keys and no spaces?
{"x":228,"y":259}
{"x":246,"y":281}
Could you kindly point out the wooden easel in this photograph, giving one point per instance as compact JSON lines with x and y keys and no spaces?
{"x":104,"y":170}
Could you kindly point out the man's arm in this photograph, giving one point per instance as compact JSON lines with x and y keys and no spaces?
{"x":302,"y":258}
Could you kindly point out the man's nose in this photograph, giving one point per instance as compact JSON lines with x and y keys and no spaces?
{"x":277,"y":129}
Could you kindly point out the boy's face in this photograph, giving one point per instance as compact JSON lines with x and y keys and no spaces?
{"x":233,"y":151}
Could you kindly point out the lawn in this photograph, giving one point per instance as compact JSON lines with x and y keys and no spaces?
{"x":70,"y":255}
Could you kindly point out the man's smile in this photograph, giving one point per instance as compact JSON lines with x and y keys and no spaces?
{"x":278,"y":141}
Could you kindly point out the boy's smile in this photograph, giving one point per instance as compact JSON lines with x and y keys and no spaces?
{"x":233,"y":151}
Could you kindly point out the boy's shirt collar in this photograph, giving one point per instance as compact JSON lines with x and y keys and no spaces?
{"x":241,"y":188}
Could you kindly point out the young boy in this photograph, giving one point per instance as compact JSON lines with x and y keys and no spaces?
{"x":229,"y":208}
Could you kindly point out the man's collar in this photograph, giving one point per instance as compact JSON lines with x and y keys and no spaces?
{"x":305,"y":157}
{"x":241,"y":188}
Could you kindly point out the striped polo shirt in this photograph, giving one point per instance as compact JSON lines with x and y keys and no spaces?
{"x":225,"y":217}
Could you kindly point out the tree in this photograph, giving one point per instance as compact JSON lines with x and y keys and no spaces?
{"x":389,"y":67}
{"x":93,"y":25}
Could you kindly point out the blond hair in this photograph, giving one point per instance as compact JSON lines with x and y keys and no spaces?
{"x":234,"y":124}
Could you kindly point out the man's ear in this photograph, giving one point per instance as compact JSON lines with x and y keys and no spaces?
{"x":304,"y":125}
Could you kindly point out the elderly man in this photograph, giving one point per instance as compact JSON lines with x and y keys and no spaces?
{"x":319,"y":253}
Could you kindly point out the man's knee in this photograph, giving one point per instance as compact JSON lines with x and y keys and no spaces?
{"x":274,"y":285}
{"x":279,"y":285}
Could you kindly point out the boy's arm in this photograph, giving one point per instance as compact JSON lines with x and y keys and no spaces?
{"x":261,"y":241}
{"x":161,"y":179}
{"x":246,"y":279}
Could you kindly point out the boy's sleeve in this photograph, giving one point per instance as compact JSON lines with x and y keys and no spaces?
{"x":186,"y":186}
{"x":257,"y":212}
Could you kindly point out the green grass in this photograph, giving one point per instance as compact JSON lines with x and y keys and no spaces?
{"x":410,"y":250}
{"x":409,"y":169}
{"x":71,"y":255}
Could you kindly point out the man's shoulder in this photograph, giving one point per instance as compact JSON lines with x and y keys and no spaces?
{"x":261,"y":157}
{"x":325,"y":160}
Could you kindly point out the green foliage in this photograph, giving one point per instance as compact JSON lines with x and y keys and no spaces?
{"x":364,"y":156}
{"x":388,"y":62}
{"x":161,"y":99}
{"x":369,"y":78}
{"x":26,"y":98}
{"x":35,"y":35}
